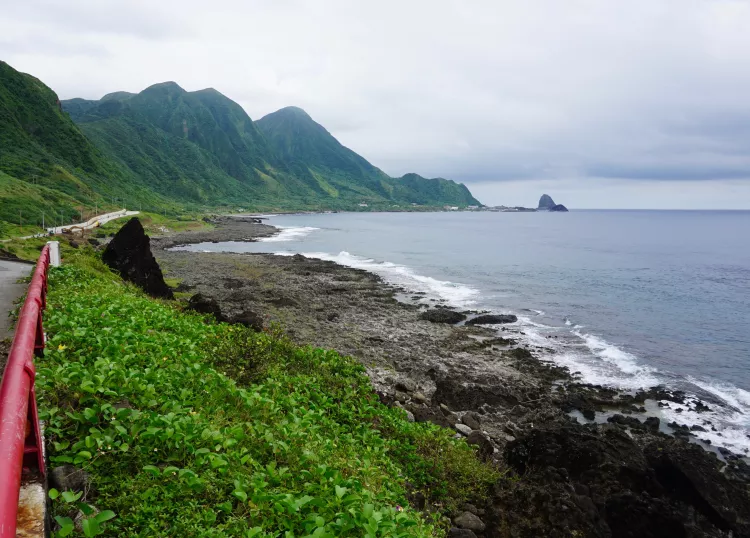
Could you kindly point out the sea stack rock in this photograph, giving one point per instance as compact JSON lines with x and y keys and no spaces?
{"x":558,"y":207}
{"x":129,"y":253}
{"x":546,"y":202}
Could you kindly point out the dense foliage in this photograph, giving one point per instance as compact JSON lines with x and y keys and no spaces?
{"x":46,"y":163}
{"x":195,"y":428}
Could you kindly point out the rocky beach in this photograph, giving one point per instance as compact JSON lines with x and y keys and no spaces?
{"x":579,"y":460}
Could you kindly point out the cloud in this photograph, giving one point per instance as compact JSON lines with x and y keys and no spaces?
{"x":487,"y":92}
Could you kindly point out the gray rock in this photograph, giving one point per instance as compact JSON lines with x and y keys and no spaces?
{"x":410,"y":416}
{"x":652,"y":423}
{"x":419,"y":397}
{"x":492,"y":319}
{"x":401,"y":396}
{"x":467,"y":520}
{"x":484,"y":445}
{"x":67,"y":477}
{"x":445,"y":409}
{"x":471,"y":419}
{"x":406,"y":385}
{"x":442,"y":315}
{"x":463,"y":429}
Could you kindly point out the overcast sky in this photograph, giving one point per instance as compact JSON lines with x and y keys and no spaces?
{"x":600,"y":103}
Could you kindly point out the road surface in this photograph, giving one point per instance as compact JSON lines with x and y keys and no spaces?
{"x":94,"y":222}
{"x":10,"y":290}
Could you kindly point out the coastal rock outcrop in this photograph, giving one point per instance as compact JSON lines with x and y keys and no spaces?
{"x":546,"y":202}
{"x":492,"y":319}
{"x":621,"y":485}
{"x":442,"y":315}
{"x":129,"y":253}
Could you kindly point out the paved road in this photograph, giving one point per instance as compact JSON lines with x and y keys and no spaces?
{"x":10,"y":290}
{"x":88,"y":225}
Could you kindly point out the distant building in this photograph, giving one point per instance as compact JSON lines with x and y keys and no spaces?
{"x":362,"y":204}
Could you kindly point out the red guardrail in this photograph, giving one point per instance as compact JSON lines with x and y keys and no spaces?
{"x":20,"y":438}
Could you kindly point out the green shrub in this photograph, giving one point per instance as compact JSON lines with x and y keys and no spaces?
{"x":195,"y":428}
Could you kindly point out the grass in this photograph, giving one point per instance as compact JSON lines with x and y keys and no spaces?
{"x":194,"y":428}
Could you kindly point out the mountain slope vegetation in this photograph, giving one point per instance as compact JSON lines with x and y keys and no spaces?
{"x":297,"y":137}
{"x":46,"y":162}
{"x":167,"y":147}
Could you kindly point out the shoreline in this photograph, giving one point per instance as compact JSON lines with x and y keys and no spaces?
{"x":509,"y":397}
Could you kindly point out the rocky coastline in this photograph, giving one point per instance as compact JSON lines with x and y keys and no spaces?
{"x":616,"y":477}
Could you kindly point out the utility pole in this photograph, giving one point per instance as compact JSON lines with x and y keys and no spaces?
{"x":81,"y":213}
{"x":43,"y":228}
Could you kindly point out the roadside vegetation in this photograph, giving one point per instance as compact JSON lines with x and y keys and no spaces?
{"x":188,"y":427}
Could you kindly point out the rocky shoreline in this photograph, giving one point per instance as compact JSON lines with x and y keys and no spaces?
{"x":620,"y":478}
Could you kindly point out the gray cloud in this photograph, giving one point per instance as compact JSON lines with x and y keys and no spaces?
{"x":499,"y":94}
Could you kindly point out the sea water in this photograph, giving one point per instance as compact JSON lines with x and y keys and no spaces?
{"x":629,"y":299}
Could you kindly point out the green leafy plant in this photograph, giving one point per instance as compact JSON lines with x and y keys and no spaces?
{"x":190,"y":427}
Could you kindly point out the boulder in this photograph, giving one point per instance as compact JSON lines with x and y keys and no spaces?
{"x":462,"y":429}
{"x":205,"y":305}
{"x":129,"y":254}
{"x":469,"y":521}
{"x":68,"y":478}
{"x":248,"y":318}
{"x":483,"y":444}
{"x":442,"y":315}
{"x":471,"y":419}
{"x":492,"y":319}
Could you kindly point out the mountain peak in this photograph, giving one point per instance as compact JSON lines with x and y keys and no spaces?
{"x":167,"y":87}
{"x":293,"y":111}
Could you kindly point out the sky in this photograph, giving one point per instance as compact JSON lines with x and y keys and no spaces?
{"x":599,"y":103}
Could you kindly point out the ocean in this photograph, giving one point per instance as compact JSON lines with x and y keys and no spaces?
{"x":634,"y":298}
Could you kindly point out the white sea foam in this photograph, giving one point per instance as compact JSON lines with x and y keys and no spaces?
{"x":289,"y":233}
{"x":454,"y":294}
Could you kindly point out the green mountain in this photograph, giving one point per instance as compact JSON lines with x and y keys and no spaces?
{"x":341,"y":172}
{"x":165,"y":147}
{"x":46,"y":164}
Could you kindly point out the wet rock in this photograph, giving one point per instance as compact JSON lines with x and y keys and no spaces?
{"x":73,"y":244}
{"x":697,"y":428}
{"x":469,"y":521}
{"x":129,"y":254}
{"x":205,"y":305}
{"x":442,"y":315}
{"x":642,"y":488}
{"x":67,"y":477}
{"x":652,"y":423}
{"x":492,"y":319}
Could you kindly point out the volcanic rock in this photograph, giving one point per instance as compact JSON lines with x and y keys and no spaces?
{"x":492,"y":319}
{"x":129,"y":254}
{"x":442,"y":315}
